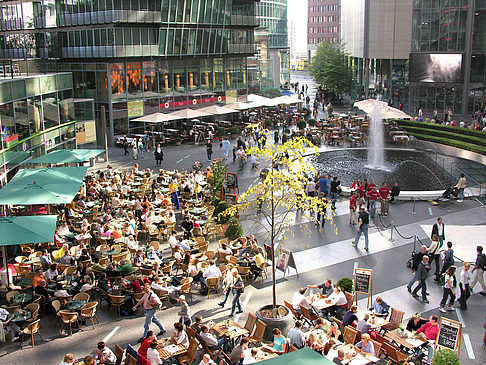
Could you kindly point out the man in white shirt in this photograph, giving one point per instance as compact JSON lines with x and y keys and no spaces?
{"x":338,"y":301}
{"x":296,"y":336}
{"x":156,"y":284}
{"x":299,"y":299}
{"x":212,"y":271}
{"x":173,"y":239}
{"x":212,"y":341}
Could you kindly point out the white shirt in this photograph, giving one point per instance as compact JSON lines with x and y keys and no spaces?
{"x":50,"y":274}
{"x":299,"y":299}
{"x":63,"y":230}
{"x":248,"y":359}
{"x":212,"y":272}
{"x":182,"y":339}
{"x":338,"y":299}
{"x":157,"y":286}
{"x":440,"y":228}
{"x":153,"y":357}
{"x":464,"y":278}
{"x":173,"y":241}
{"x":311,"y":186}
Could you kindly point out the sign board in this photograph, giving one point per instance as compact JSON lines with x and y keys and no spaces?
{"x":286,"y":259}
{"x":449,"y":335}
{"x":231,"y":199}
{"x":231,"y":96}
{"x":363,"y":281}
{"x":268,"y":251}
{"x":231,"y":181}
{"x":135,"y":108}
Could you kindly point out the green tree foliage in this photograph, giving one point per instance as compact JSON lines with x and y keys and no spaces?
{"x":271,"y":92}
{"x":330,"y":68}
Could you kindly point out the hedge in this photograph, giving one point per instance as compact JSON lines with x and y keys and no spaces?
{"x":446,"y":128}
{"x":451,"y":142}
{"x":440,"y":133}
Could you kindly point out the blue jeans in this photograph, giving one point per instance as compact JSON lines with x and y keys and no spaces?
{"x":226,"y":295}
{"x":363,"y":230}
{"x":372,"y":208}
{"x":334,"y":198}
{"x":236,"y":301}
{"x":223,"y":342}
{"x":414,"y":279}
{"x":461,"y":194}
{"x":151,"y":317}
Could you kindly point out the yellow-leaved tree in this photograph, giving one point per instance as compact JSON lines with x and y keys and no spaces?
{"x":280,"y":194}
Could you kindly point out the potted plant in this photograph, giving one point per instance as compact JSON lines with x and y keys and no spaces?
{"x":445,"y":357}
{"x":234,"y":132}
{"x":285,"y":137}
{"x":346,"y":284}
{"x":311,"y":122}
{"x":276,"y":137}
{"x":301,"y":124}
{"x":178,"y":140}
{"x":234,"y":229}
{"x":221,"y":132}
{"x":268,"y":123}
{"x":216,"y":178}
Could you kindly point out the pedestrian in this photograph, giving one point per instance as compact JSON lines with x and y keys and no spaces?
{"x":237,"y":287}
{"x":209,"y":149}
{"x":384,"y":193}
{"x":448,"y":259}
{"x":422,"y":274}
{"x":373,"y":196}
{"x":159,"y":155}
{"x":352,"y":208}
{"x":363,"y":222}
{"x":226,"y":147}
{"x":185,"y":312}
{"x":140,"y":147}
{"x":134,"y":150}
{"x":125,"y":146}
{"x":334,"y":191}
{"x":439,"y":230}
{"x":150,"y":302}
{"x":464,"y":279}
{"x":448,"y":291}
{"x":146,"y":141}
{"x":433,"y":252}
{"x":321,"y":211}
{"x":479,"y":267}
{"x":394,"y":192}
{"x":461,"y":185}
{"x":417,"y":259}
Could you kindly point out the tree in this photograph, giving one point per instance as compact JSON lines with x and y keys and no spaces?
{"x":216,"y":178}
{"x":280,"y":192}
{"x":330,"y":68}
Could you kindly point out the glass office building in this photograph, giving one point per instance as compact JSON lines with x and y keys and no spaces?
{"x":135,"y":57}
{"x":448,"y":36}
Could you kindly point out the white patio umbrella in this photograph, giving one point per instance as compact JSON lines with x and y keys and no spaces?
{"x":217,"y":110}
{"x":238,"y":106}
{"x":188,"y":114}
{"x":156,"y":118}
{"x":387,"y":112}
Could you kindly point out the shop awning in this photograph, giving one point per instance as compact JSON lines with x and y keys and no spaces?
{"x":67,"y":156}
{"x":56,"y":185}
{"x":305,"y":356}
{"x":27,"y":229}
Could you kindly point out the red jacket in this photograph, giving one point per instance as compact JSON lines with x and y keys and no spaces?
{"x":429,"y":330}
{"x":352,"y":202}
{"x":142,"y":350}
{"x":384,"y":192}
{"x":373,"y":195}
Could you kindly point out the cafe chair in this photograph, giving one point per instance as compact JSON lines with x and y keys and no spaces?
{"x":232,"y":259}
{"x":212,"y":284}
{"x":244,"y":272}
{"x":339,"y":323}
{"x":189,"y":356}
{"x":350,"y":335}
{"x":376,"y":347}
{"x":89,"y":311}
{"x":86,"y":263}
{"x":116,"y":301}
{"x":32,"y":329}
{"x":41,"y":300}
{"x":206,"y":349}
{"x":393,"y":353}
{"x":11,"y":294}
{"x":349,"y":298}
{"x":145,"y":271}
{"x":154,"y":244}
{"x":82,"y":296}
{"x":307,"y":315}
{"x":56,"y":305}
{"x":250,"y":323}
{"x":163,"y":296}
{"x":292,"y":348}
{"x":118,"y":354}
{"x":257,"y":336}
{"x":34,"y":309}
{"x":292,"y":310}
{"x":130,"y":360}
{"x":69,"y":270}
{"x":68,"y":318}
{"x":396,"y":318}
{"x":186,"y":287}
{"x":209,"y":255}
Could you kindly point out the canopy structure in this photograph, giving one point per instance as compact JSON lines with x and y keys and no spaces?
{"x":285,"y":99}
{"x":67,"y":156}
{"x":217,"y":110}
{"x":386,"y":111}
{"x":57,"y":185}
{"x":304,"y":356}
{"x":239,"y":106}
{"x":157,"y":118}
{"x":27,"y":229}
{"x":188,"y":114}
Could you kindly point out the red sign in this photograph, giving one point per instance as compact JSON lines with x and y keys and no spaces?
{"x":194,"y":101}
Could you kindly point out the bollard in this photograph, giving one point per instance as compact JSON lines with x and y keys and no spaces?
{"x":391,"y":231}
{"x":413,"y":207}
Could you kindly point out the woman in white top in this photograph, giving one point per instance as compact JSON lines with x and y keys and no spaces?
{"x":448,"y":290}
{"x":464,"y":285}
{"x":179,"y":337}
{"x":153,"y":356}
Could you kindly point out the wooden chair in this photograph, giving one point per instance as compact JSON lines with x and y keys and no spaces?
{"x":119,"y":354}
{"x":31,"y":330}
{"x":116,"y":301}
{"x":69,"y":318}
{"x":376,"y":347}
{"x":222,"y":256}
{"x":189,"y":356}
{"x":34,"y":309}
{"x":232,"y":259}
{"x":292,"y":348}
{"x":86,"y":263}
{"x":393,"y":353}
{"x":163,"y":295}
{"x":339,"y":323}
{"x":244,"y":272}
{"x":292,"y":310}
{"x":56,"y":304}
{"x":130,"y":360}
{"x":257,"y":336}
{"x":381,"y":339}
{"x":186,"y":287}
{"x":250,"y":323}
{"x":89,"y":311}
{"x":11,"y":294}
{"x":307,"y":315}
{"x":145,"y":271}
{"x":209,"y":254}
{"x":82,"y":296}
{"x":349,"y":298}
{"x":212,"y":284}
{"x":350,"y":335}
{"x":206,"y":349}
{"x":396,"y":318}
{"x":69,"y":270}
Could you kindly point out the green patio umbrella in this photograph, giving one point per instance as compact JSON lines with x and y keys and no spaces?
{"x":67,"y":156}
{"x":57,"y":185}
{"x":304,"y":356}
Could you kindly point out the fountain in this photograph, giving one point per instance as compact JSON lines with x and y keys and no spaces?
{"x":376,"y":153}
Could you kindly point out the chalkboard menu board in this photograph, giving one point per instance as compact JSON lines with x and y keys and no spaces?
{"x":363,"y":280}
{"x":231,"y":199}
{"x":268,"y":251}
{"x":449,"y":334}
{"x":231,"y":180}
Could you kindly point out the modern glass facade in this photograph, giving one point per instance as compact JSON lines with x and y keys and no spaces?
{"x":160,"y":55}
{"x":39,"y":114}
{"x":450,"y":27}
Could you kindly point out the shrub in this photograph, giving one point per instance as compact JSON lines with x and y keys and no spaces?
{"x":216,"y":179}
{"x":276,"y":137}
{"x":287,"y":131}
{"x":449,"y":142}
{"x":234,"y":229}
{"x":448,"y":128}
{"x":220,"y":208}
{"x":275,"y":123}
{"x":221,"y":131}
{"x":301,"y":124}
{"x":311,"y":122}
{"x":481,"y":141}
{"x":284,"y":138}
{"x":446,"y":357}
{"x":178,"y":138}
{"x":268,"y":123}
{"x":346,"y":284}
{"x":234,"y":130}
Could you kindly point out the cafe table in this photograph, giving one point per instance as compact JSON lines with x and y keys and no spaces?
{"x":110,"y":253}
{"x":163,"y":190}
{"x":318,"y":302}
{"x":229,"y":329}
{"x":75,"y":305}
{"x":21,"y":299}
{"x":23,"y":282}
{"x":405,"y":339}
{"x":167,"y":350}
{"x":21,"y":315}
{"x":194,"y":201}
{"x":375,"y":321}
{"x":197,"y":211}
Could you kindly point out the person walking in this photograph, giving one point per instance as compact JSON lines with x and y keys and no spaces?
{"x":185,"y":312}
{"x":417,"y":259}
{"x":373,"y":196}
{"x":461,"y":185}
{"x":140,"y":147}
{"x":159,"y":155}
{"x":334,"y":191}
{"x":150,"y":302}
{"x":352,"y":208}
{"x":134,"y":150}
{"x":448,"y":291}
{"x":237,"y":287}
{"x":209,"y":149}
{"x":422,"y":274}
{"x":125,"y":146}
{"x":434,"y":253}
{"x":464,"y":279}
{"x":479,"y":267}
{"x":363,"y":222}
{"x":226,"y":148}
{"x":439,"y":229}
{"x":448,"y":260}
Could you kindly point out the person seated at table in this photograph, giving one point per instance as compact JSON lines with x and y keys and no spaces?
{"x":212,"y":271}
{"x":58,"y":254}
{"x":84,"y":255}
{"x":139,"y":258}
{"x":279,"y":344}
{"x":350,"y":316}
{"x":103,"y":283}
{"x":366,"y":345}
{"x":131,"y":243}
{"x":379,"y":308}
{"x":51,"y":274}
{"x":45,"y":258}
{"x":65,"y":233}
{"x":111,"y":272}
{"x":314,"y":343}
{"x":212,"y":341}
{"x":326,"y":288}
{"x":95,"y":254}
{"x":120,"y":213}
{"x":333,"y":331}
{"x":125,"y":268}
{"x":68,"y":359}
{"x":38,"y":277}
{"x":237,"y":355}
{"x":9,"y":326}
{"x":415,"y":322}
{"x":87,"y":284}
{"x":428,"y":331}
{"x":60,"y":292}
{"x":296,"y":336}
{"x":157,"y":284}
{"x":338,"y":303}
{"x":193,"y":271}
{"x":103,"y":354}
{"x":154,"y":254}
{"x":180,"y":242}
{"x":178,"y":254}
{"x":187,"y":226}
{"x":146,"y":341}
{"x":179,"y":336}
{"x":153,"y":356}
{"x":97,"y":267}
{"x":225,"y":250}
{"x":339,"y":359}
{"x":169,"y":217}
{"x":206,"y":360}
{"x":41,"y":289}
{"x":363,"y":325}
{"x":300,"y":299}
